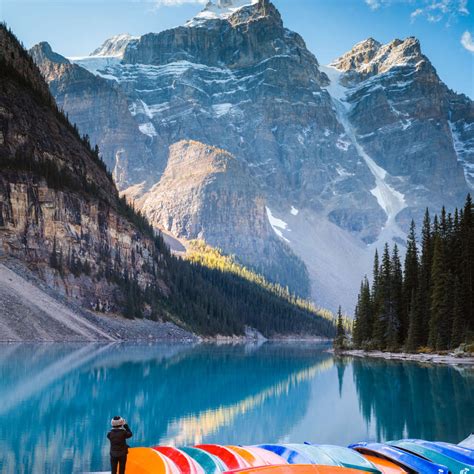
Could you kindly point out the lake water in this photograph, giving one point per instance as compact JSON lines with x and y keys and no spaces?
{"x":56,"y":400}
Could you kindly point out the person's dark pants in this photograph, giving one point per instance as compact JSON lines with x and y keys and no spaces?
{"x":115,"y":462}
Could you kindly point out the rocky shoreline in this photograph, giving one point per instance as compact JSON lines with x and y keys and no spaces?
{"x":450,"y":359}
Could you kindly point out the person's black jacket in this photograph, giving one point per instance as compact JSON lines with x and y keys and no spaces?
{"x":118,"y":444}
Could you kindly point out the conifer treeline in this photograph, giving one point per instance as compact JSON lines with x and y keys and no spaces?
{"x":431,"y":302}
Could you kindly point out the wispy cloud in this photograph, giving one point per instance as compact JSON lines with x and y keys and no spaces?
{"x":432,"y":10}
{"x":374,"y":4}
{"x":467,"y":41}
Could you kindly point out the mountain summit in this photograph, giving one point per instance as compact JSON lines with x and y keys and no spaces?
{"x":220,"y":10}
{"x":344,"y":156}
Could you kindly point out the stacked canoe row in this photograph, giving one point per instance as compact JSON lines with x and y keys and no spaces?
{"x":409,"y":456}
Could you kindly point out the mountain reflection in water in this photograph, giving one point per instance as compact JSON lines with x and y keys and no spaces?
{"x":56,"y":400}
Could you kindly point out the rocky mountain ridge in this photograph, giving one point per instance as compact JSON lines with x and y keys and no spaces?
{"x":344,"y":155}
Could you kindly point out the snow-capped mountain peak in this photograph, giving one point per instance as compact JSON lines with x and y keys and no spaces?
{"x":371,"y":57}
{"x":220,"y":10}
{"x":114,"y":46}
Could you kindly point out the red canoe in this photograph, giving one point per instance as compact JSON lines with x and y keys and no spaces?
{"x":231,"y":459}
{"x":185,"y":463}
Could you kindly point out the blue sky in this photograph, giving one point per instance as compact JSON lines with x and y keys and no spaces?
{"x":330,"y":27}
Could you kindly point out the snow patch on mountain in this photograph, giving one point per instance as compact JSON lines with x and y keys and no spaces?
{"x":221,"y":109}
{"x":294,"y":211}
{"x":114,"y":46}
{"x":219,"y":10}
{"x":98,"y":65}
{"x":389,"y":199}
{"x":148,"y":129}
{"x":278,"y":225}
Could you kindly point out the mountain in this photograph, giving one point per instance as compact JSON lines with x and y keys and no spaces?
{"x":62,"y":217}
{"x":344,"y":155}
{"x":203,"y":193}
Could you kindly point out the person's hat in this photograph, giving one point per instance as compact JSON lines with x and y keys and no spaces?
{"x":117,"y":421}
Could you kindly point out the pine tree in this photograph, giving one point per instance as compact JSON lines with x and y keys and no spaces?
{"x":363,"y":324}
{"x":357,"y":324}
{"x":439,"y":301}
{"x":394,"y":336}
{"x":459,"y":327}
{"x":410,"y":282}
{"x":383,"y":307}
{"x":340,"y":331}
{"x":424,"y":280}
{"x":415,"y":325}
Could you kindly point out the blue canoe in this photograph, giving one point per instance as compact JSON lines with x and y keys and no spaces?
{"x":288,"y":453}
{"x":322,"y":455}
{"x":455,"y":466}
{"x":466,"y":455}
{"x":404,"y":459}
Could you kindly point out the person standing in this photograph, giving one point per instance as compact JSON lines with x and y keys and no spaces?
{"x":118,"y":436}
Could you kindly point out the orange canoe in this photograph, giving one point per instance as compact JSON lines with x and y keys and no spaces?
{"x":149,"y":461}
{"x":298,"y":469}
{"x":385,"y":465}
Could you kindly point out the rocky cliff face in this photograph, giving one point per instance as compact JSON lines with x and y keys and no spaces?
{"x":344,"y":155}
{"x":99,"y":109}
{"x":59,"y":210}
{"x":402,"y":116}
{"x":204,"y":193}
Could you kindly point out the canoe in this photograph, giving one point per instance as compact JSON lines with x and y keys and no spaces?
{"x":148,"y":461}
{"x":270,"y":458}
{"x":208,"y":462}
{"x":290,"y":455}
{"x":461,"y":454}
{"x":231,"y":459}
{"x":455,"y":466}
{"x":297,"y":469}
{"x":253,"y":459}
{"x":408,"y":461}
{"x":315,"y":453}
{"x":348,"y":458}
{"x":185,"y":463}
{"x":385,"y":466}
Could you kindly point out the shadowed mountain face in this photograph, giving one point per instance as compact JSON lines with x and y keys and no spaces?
{"x":343,"y":156}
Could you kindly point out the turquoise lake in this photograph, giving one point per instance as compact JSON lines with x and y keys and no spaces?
{"x":56,"y":400}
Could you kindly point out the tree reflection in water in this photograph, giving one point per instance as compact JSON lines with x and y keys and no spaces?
{"x":406,"y":399}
